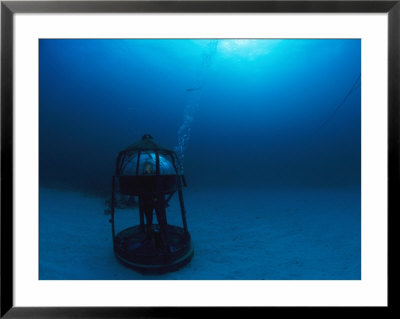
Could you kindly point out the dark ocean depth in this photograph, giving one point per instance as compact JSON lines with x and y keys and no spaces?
{"x":268,"y":113}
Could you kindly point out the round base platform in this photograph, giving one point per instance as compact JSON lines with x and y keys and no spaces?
{"x":153,"y":256}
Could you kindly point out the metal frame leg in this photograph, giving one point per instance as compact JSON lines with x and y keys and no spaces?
{"x":183,"y":212}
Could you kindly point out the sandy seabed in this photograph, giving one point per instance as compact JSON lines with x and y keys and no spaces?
{"x":251,"y":234}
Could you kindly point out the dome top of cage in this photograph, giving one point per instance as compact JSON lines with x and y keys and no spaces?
{"x":146,"y":143}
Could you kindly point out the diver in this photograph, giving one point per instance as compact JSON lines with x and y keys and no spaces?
{"x":147,"y":202}
{"x":148,"y":168}
{"x":150,"y":202}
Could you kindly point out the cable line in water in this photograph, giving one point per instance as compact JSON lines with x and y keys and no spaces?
{"x":356,"y":83}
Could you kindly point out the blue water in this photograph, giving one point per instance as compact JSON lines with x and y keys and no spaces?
{"x":245,"y":114}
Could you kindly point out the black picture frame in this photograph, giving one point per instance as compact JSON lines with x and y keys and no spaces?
{"x":9,"y":8}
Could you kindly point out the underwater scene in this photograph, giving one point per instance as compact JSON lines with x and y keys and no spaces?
{"x":200,"y":159}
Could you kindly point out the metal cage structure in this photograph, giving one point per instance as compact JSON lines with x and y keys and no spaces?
{"x":152,"y":173}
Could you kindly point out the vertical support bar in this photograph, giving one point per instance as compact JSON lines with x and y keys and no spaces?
{"x":180,"y":179}
{"x":118,"y":164}
{"x":183,"y":212}
{"x":120,"y":161}
{"x":159,"y":193}
{"x":183,"y":180}
{"x":112,"y":210}
{"x":137,"y":164}
{"x":157,"y":164}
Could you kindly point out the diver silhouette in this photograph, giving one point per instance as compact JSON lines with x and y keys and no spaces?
{"x":150,"y":202}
